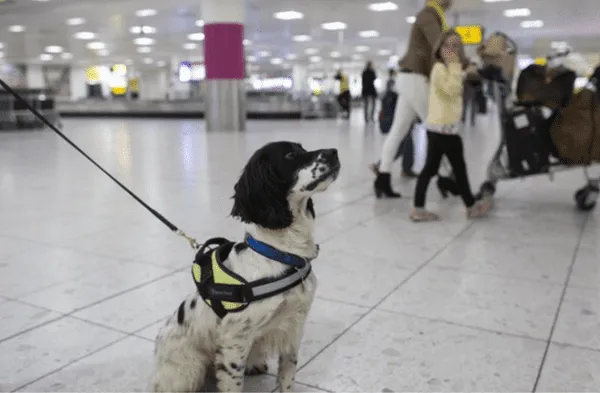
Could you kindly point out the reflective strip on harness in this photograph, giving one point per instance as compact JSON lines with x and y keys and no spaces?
{"x":275,"y":286}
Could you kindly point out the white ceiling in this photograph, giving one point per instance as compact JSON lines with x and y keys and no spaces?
{"x":45,"y":25}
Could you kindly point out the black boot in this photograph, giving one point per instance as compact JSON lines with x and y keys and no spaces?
{"x":383,"y":187}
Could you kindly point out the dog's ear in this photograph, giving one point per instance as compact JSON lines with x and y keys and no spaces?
{"x":261,"y":196}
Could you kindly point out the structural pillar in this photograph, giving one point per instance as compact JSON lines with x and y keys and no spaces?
{"x":35,"y":77}
{"x":300,"y":79}
{"x":78,"y":83}
{"x":224,"y":93}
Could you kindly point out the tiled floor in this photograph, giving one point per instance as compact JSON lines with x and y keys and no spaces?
{"x":510,"y":303}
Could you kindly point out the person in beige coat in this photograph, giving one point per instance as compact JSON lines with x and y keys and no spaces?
{"x":412,"y":85}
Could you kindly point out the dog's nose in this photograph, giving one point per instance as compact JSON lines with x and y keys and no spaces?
{"x":330,"y":154}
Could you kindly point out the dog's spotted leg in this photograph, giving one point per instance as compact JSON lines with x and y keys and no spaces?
{"x":257,"y":361}
{"x":235,"y":342}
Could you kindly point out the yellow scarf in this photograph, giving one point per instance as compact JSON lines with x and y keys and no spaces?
{"x":434,"y":4}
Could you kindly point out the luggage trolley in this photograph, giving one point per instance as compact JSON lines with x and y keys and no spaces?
{"x":526,"y":146}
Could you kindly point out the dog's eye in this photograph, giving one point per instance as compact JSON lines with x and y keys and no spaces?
{"x":290,"y":156}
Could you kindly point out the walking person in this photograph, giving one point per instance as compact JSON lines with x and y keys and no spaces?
{"x":369,"y":93}
{"x":412,"y":84}
{"x":443,"y":129}
{"x":344,"y":95}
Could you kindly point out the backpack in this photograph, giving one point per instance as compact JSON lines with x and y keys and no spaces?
{"x":388,"y":107}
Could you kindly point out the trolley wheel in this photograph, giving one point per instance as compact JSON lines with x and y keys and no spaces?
{"x":586,"y":198}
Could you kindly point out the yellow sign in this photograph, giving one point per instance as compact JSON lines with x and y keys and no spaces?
{"x":470,"y":34}
{"x":540,"y":61}
{"x":134,"y":85}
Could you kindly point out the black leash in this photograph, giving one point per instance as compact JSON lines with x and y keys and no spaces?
{"x":193,"y":243}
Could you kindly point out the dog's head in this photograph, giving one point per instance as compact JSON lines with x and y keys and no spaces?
{"x":280,"y":174}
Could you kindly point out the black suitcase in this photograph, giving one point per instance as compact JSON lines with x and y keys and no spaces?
{"x":527,"y":140}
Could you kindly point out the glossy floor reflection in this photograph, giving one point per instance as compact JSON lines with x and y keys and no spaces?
{"x":509,"y":303}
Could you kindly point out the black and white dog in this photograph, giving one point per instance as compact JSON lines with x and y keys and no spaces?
{"x":273,"y":199}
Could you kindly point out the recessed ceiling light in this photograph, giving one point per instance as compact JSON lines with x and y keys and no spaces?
{"x":385,"y":6}
{"x":96,"y":45}
{"x":558,"y":45}
{"x":144,"y":41}
{"x":66,"y":56}
{"x":311,"y":51}
{"x":196,"y":36}
{"x":144,"y":49}
{"x":247,"y":42}
{"x":190,"y":45}
{"x":276,"y":61}
{"x":75,"y":21}
{"x":264,"y":53}
{"x":335,"y":54}
{"x":148,"y":60}
{"x":288,"y":15}
{"x":199,"y":23}
{"x":145,"y":13}
{"x":334,"y":26}
{"x":301,"y":38}
{"x":16,"y":28}
{"x":356,"y":56}
{"x":85,"y":35}
{"x":315,"y":59}
{"x":102,"y":52}
{"x":361,"y":48}
{"x":517,"y":12}
{"x":384,"y":52}
{"x":368,"y":34}
{"x":250,"y":59}
{"x":46,"y":57}
{"x":291,"y":56}
{"x":54,"y":49}
{"x":532,"y":24}
{"x":161,"y":63}
{"x":411,"y":19}
{"x":142,"y":30}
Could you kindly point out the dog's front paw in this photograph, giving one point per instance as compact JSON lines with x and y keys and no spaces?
{"x":257,"y":369}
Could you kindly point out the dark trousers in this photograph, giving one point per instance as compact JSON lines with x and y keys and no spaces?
{"x":369,"y":106}
{"x":344,"y":101}
{"x":451,"y":146}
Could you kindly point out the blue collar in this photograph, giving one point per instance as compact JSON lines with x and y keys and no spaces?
{"x":277,"y":255}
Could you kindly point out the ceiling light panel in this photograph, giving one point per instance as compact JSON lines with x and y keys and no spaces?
{"x":288,"y":15}
{"x":291,"y":56}
{"x":517,"y":12}
{"x":532,"y":24}
{"x":102,"y":52}
{"x":382,"y":7}
{"x":361,"y":48}
{"x":311,"y":51}
{"x":96,"y":45}
{"x":75,"y":21}
{"x":276,"y":61}
{"x":199,"y":23}
{"x":334,"y":26}
{"x":196,"y":36}
{"x":46,"y":57}
{"x":66,"y":56}
{"x":190,"y":45}
{"x":144,"y":41}
{"x":301,"y":38}
{"x":16,"y":28}
{"x":54,"y":49}
{"x":142,"y":30}
{"x":264,"y":53}
{"x":148,"y":61}
{"x":315,"y":59}
{"x":335,"y":54}
{"x":85,"y":35}
{"x":144,"y":49}
{"x":368,"y":33}
{"x":145,"y":13}
{"x":247,"y":42}
{"x":411,"y":19}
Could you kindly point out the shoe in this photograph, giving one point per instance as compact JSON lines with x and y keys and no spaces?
{"x":480,"y":209}
{"x":409,"y":174}
{"x":423,"y":216}
{"x":383,"y":187}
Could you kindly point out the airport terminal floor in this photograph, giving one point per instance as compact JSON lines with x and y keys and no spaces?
{"x":87,"y":276}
